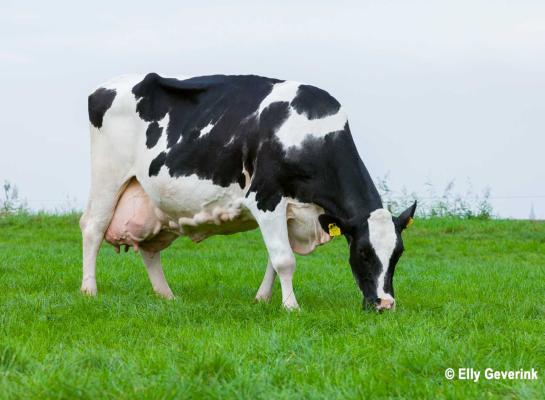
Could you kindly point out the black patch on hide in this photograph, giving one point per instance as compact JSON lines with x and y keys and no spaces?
{"x":323,"y":170}
{"x":315,"y":103}
{"x":98,"y":103}
{"x":153,"y":133}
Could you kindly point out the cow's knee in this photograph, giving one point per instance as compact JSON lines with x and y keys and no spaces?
{"x":83,"y":222}
{"x":91,"y":233}
{"x":284,"y":265}
{"x":264,"y":292}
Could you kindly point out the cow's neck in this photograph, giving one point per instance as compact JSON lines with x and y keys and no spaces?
{"x":353,"y":195}
{"x":345,"y":189}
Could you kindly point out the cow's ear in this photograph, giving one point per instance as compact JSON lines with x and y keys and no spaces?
{"x":334,"y":226}
{"x":405,"y":219}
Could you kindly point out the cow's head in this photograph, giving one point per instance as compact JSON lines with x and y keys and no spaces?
{"x":375,"y":247}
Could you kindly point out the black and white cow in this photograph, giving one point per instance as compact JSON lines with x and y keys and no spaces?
{"x":222,"y":154}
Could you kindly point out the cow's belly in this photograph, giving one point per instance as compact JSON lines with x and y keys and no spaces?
{"x":152,"y":216}
{"x":197,"y":207}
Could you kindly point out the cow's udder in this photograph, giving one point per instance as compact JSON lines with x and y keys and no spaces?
{"x":137,"y":222}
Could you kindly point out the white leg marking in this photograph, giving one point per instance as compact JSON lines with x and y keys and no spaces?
{"x":264,"y":292}
{"x":156,"y":275}
{"x":93,"y":224}
{"x":274,"y":229}
{"x":91,"y":243}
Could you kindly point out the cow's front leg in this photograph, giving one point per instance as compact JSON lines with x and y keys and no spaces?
{"x":285,"y":267}
{"x":274,"y":229}
{"x":155,"y":274}
{"x":264,"y":292}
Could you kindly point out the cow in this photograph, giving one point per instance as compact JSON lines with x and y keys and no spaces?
{"x":221,"y":154}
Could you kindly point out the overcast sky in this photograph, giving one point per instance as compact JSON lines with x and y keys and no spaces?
{"x":435,"y":90}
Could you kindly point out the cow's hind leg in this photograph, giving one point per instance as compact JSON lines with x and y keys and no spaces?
{"x":94,"y":222}
{"x":156,"y":276}
{"x":264,"y":292}
{"x":274,"y":229}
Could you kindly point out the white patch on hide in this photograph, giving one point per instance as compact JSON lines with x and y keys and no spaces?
{"x":283,"y":91}
{"x":297,"y":126}
{"x":164,"y":123}
{"x":383,"y":238}
{"x":206,"y":129}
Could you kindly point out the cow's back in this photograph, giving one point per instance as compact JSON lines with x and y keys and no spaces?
{"x":219,"y":137}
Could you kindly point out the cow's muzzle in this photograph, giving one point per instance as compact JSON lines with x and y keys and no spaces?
{"x":379,"y":304}
{"x":385,"y":304}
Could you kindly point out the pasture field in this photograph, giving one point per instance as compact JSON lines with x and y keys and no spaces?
{"x":470,"y":294}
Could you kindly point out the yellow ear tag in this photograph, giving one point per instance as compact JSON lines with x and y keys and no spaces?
{"x":410,"y":222}
{"x":334,"y":230}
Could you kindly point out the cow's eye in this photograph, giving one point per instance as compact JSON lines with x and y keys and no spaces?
{"x":365,"y":252}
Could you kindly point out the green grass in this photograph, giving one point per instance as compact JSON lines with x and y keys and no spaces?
{"x":470,"y":294}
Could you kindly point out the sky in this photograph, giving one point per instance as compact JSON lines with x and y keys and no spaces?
{"x":435,"y":91}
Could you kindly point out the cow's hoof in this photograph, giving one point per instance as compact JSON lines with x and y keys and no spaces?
{"x":291,"y":307}
{"x":89,"y":290}
{"x":166,"y":296}
{"x":262,"y":298}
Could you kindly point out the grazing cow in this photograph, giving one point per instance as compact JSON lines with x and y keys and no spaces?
{"x":222,"y":154}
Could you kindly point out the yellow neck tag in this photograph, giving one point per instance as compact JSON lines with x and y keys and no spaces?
{"x":410,"y":222}
{"x":334,"y":230}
